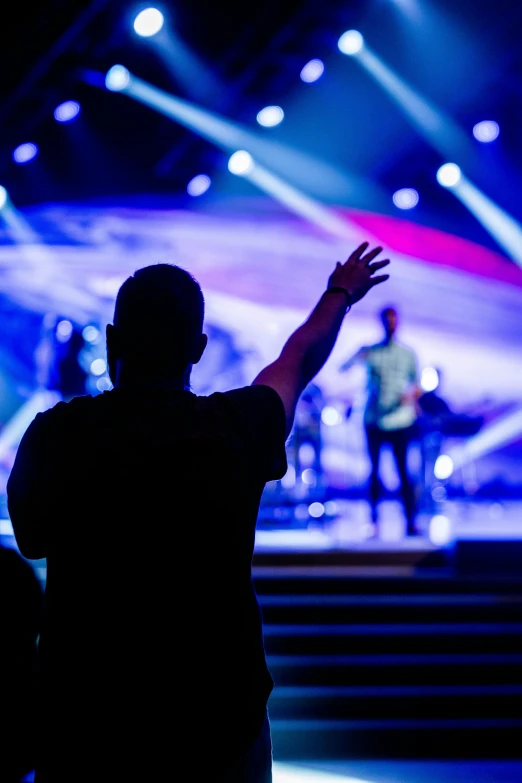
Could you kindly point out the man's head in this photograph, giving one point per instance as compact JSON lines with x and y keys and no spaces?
{"x":390,"y":321}
{"x":158,"y":325}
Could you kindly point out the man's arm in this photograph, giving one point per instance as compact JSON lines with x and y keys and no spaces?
{"x":311,"y":344}
{"x":358,"y":357}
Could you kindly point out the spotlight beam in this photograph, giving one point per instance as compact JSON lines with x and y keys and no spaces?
{"x":450,"y":140}
{"x":36,"y":270}
{"x":497,"y":434}
{"x":437,"y":128}
{"x":230,"y":137}
{"x":498,"y":223}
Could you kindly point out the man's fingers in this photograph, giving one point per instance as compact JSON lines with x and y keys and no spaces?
{"x":378,"y":265}
{"x":356,"y":255}
{"x":371,"y":255}
{"x":377,"y":280}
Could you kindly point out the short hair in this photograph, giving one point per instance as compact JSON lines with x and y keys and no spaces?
{"x":159,"y":314}
{"x":386,"y":310}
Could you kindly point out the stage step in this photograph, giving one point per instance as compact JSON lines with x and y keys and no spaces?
{"x":418,"y":638}
{"x":398,"y":608}
{"x":406,"y":702}
{"x":392,"y":667}
{"x":414,"y":739}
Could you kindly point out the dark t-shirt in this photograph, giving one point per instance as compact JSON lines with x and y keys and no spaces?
{"x":144,"y":503}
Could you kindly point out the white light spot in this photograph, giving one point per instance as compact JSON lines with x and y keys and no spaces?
{"x":306,"y":455}
{"x":449,"y":175}
{"x":439,"y":530}
{"x":312,"y":71}
{"x":429,"y":379}
{"x":331,"y":508}
{"x":67,"y":111}
{"x":330,"y":416}
{"x":486,"y":131}
{"x":406,"y":198}
{"x":117,"y":78}
{"x":301,"y":512}
{"x":288,"y":480}
{"x":148,"y":22}
{"x":443,"y":467}
{"x":25,"y":152}
{"x":198,"y":185}
{"x":316,"y":510}
{"x":241,"y":163}
{"x":439,"y":494}
{"x":3,"y":196}
{"x":103,"y":384}
{"x":64,"y":330}
{"x":270,"y":116}
{"x":91,"y":334}
{"x":309,"y":477}
{"x":98,"y":366}
{"x":351,"y":42}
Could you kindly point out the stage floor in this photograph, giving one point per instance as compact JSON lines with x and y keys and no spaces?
{"x":351,"y":528}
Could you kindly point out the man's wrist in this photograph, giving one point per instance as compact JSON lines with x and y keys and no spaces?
{"x":337,"y":289}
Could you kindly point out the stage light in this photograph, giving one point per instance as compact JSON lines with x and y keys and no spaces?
{"x":288,"y":480}
{"x":316,"y":510}
{"x":64,"y":330}
{"x":486,"y":131}
{"x":98,"y":366}
{"x":443,"y":467}
{"x":330,"y":416}
{"x":270,"y":116}
{"x":3,"y":196}
{"x":198,"y":185}
{"x":439,"y":531}
{"x":91,"y":334}
{"x":230,"y":136}
{"x":301,"y":512}
{"x":67,"y":111}
{"x":148,"y":22}
{"x":449,"y":175}
{"x":117,"y":78}
{"x":309,"y":476}
{"x":103,"y":384}
{"x":241,"y":163}
{"x":503,"y":228}
{"x":331,"y":508}
{"x":25,"y":153}
{"x":406,"y":198}
{"x":351,"y":42}
{"x":312,"y":71}
{"x":429,"y":379}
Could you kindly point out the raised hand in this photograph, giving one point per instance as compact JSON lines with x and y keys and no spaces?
{"x":356,"y":274}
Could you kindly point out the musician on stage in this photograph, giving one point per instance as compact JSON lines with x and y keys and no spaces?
{"x":391,"y":410}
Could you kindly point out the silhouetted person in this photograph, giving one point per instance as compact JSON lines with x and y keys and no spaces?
{"x":390,"y":413}
{"x":20,"y":610}
{"x":151,"y":648}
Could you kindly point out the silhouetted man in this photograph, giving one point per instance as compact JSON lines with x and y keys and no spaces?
{"x":20,"y":608}
{"x":390,"y":412}
{"x":151,"y":647}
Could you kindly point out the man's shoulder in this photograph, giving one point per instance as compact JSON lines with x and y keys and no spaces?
{"x":64,"y":412}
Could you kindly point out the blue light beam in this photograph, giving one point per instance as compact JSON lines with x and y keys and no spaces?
{"x":231,"y":137}
{"x":434,"y":125}
{"x":504,"y":229}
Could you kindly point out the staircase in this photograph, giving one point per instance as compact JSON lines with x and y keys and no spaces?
{"x":392,"y":667}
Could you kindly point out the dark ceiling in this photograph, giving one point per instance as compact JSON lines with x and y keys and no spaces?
{"x":463,"y":55}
